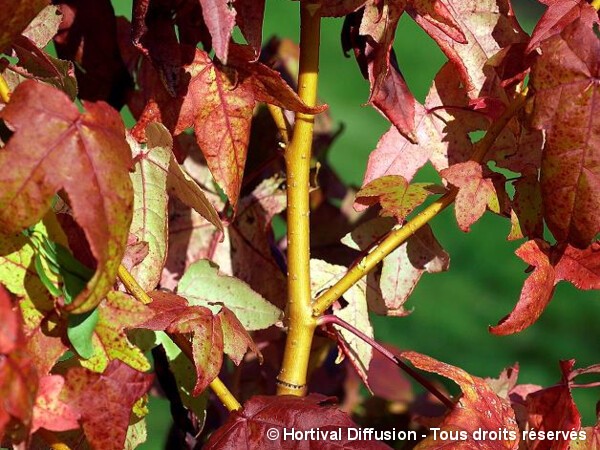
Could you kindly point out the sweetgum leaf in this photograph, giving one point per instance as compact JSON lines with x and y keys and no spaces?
{"x":88,"y":37}
{"x":219,"y":18}
{"x":203,"y":285}
{"x":247,"y":429}
{"x":49,"y":411}
{"x":236,"y":340}
{"x":218,"y":102}
{"x":356,"y":313}
{"x":249,"y":17}
{"x":105,"y":401}
{"x":16,"y":16}
{"x":580,"y":267}
{"x":564,"y":81}
{"x":478,"y":407}
{"x":149,"y":223}
{"x":41,"y":323}
{"x":396,"y":196}
{"x":558,"y":16}
{"x":475,"y":192}
{"x":18,"y":377}
{"x":536,"y":293}
{"x":339,"y":8}
{"x":44,"y":26}
{"x":527,"y":204}
{"x":116,"y":314}
{"x":195,"y":329}
{"x":49,"y":130}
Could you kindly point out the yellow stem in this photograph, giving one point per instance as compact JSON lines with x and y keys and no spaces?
{"x":596,"y":4}
{"x":400,"y":234}
{"x":280,"y":121}
{"x":224,"y":395}
{"x":52,"y":440}
{"x":4,"y":90}
{"x":132,"y":285}
{"x":301,"y":325}
{"x":216,"y":385}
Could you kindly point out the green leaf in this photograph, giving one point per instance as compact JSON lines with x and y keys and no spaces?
{"x":203,"y":285}
{"x":81,"y":330}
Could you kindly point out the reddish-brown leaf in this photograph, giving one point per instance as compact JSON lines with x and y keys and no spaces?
{"x":194,"y":329}
{"x":580,"y":267}
{"x":49,"y":411}
{"x":219,"y":17}
{"x":236,"y":340}
{"x":566,"y":106}
{"x":396,"y":196}
{"x":550,"y":410}
{"x":15,"y":15}
{"x":479,"y":408}
{"x":11,"y":333}
{"x":475,"y":193}
{"x":339,"y":8}
{"x":560,"y":14}
{"x":88,"y":37}
{"x":262,"y":422}
{"x":105,"y":401}
{"x":536,"y":293}
{"x":250,"y":16}
{"x":527,"y":204}
{"x":52,"y":142}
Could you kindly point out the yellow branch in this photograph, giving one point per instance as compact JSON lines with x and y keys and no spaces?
{"x":399,"y":235}
{"x":224,"y":395}
{"x":4,"y":90}
{"x":216,"y":385}
{"x":596,"y":4}
{"x":282,"y":124}
{"x":301,"y":325}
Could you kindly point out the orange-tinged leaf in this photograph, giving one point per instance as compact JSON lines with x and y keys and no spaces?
{"x":219,"y":18}
{"x":50,"y":131}
{"x":397,"y":197}
{"x":567,"y":95}
{"x":49,"y":411}
{"x":105,"y":401}
{"x":479,"y":407}
{"x":536,"y":293}
{"x":580,"y":267}
{"x":475,"y":193}
{"x":117,"y":313}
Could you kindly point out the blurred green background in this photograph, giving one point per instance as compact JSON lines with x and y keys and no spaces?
{"x":452,"y":311}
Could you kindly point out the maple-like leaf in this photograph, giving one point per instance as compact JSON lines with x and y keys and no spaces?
{"x":44,"y":26}
{"x":18,"y":377}
{"x":389,"y":288}
{"x":340,"y":8}
{"x":536,"y":293}
{"x":203,"y":285}
{"x":218,"y":102}
{"x":117,"y":313}
{"x":219,"y":17}
{"x":105,"y":401}
{"x":49,"y":411}
{"x":41,"y":324}
{"x":564,"y":81}
{"x":16,"y":16}
{"x":396,"y":196}
{"x":527,"y":204}
{"x":479,"y":407}
{"x":580,"y":267}
{"x":558,"y":16}
{"x":48,"y":131}
{"x":88,"y":37}
{"x":475,"y":192}
{"x":250,"y":17}
{"x":252,"y":427}
{"x":356,"y":313}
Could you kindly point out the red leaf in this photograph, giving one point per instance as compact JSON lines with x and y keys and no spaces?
{"x":479,"y":408}
{"x":105,"y":401}
{"x":236,"y":340}
{"x":397,"y":197}
{"x":558,"y":16}
{"x":339,"y":8}
{"x":88,"y":37}
{"x":49,"y":130}
{"x":567,"y":94}
{"x":11,"y":333}
{"x":220,"y":20}
{"x":50,"y":412}
{"x":15,"y":17}
{"x":475,"y":193}
{"x":580,"y":267}
{"x":264,"y":419}
{"x":194,"y":329}
{"x":536,"y":293}
{"x":250,"y":16}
